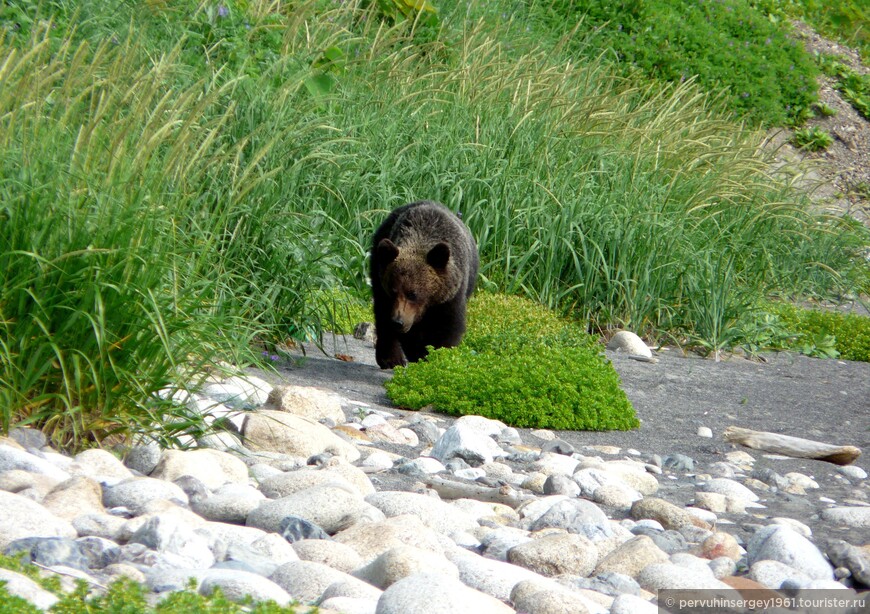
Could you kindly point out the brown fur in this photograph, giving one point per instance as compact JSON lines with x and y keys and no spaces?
{"x":424,"y":266}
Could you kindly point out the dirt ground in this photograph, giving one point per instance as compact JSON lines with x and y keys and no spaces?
{"x":840,"y":179}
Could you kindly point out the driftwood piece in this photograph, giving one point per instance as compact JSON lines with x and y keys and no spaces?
{"x":792,"y":446}
{"x":451,"y":489}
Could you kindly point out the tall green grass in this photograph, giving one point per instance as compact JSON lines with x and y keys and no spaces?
{"x":123,"y":212}
{"x":174,"y":186}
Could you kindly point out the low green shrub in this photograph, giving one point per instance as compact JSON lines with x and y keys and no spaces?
{"x":728,"y":46}
{"x":522,"y":365}
{"x":845,"y":20}
{"x":825,"y":333}
{"x":127,"y":596}
{"x":500,"y":323}
{"x":123,"y":595}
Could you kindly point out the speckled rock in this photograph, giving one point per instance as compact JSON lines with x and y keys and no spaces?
{"x":211,"y":467}
{"x":136,"y":494}
{"x":669,"y":515}
{"x":20,"y":517}
{"x":314,"y":403}
{"x":559,"y":553}
{"x":278,"y":431}
{"x":857,"y":517}
{"x":667,"y":575}
{"x":631,"y":557}
{"x":329,"y":506}
{"x":538,"y":598}
{"x":780,"y":543}
{"x":436,"y":514}
{"x":435,"y":594}
{"x":372,"y":539}
{"x":401,"y":562}
{"x":237,"y":585}
{"x":75,"y":497}
{"x":306,"y":580}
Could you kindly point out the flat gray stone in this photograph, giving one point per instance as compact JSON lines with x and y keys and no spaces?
{"x":856,"y":517}
{"x":307,"y":581}
{"x":772,"y":574}
{"x":13,"y":458}
{"x":212,"y":467}
{"x":278,"y":431}
{"x":468,"y":443}
{"x":494,"y":578}
{"x":553,"y":555}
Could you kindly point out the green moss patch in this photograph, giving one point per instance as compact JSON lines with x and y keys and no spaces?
{"x":520,"y":364}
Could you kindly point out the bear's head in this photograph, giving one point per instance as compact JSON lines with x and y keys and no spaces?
{"x":416,"y":279}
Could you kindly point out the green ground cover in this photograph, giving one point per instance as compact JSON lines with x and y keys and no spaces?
{"x":522,"y":365}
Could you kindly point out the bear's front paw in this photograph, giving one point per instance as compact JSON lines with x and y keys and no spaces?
{"x":392,"y":363}
{"x":390,"y":360}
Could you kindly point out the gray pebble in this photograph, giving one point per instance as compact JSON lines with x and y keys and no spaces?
{"x":670,"y":541}
{"x":678,"y":462}
{"x":558,"y":446}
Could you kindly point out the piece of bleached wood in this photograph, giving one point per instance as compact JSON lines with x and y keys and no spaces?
{"x":451,"y":489}
{"x":792,"y":446}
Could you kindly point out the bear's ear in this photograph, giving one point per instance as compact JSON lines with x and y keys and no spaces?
{"x":387,"y":252}
{"x":438,"y":256}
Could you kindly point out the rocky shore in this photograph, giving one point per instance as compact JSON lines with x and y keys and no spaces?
{"x":328,"y":497}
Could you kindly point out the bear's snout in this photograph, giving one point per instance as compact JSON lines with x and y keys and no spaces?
{"x":403,"y":323}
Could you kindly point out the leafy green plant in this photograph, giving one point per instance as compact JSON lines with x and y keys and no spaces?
{"x":855,"y":87}
{"x":410,"y":10}
{"x":812,"y":138}
{"x":521,"y":365}
{"x":824,"y":109}
{"x":501,"y":323}
{"x":825,"y":333}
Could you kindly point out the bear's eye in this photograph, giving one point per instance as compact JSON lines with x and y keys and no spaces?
{"x":411,"y":296}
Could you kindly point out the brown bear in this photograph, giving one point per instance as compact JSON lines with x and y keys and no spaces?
{"x":423,"y":268}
